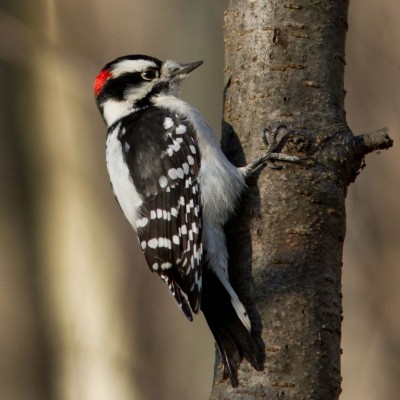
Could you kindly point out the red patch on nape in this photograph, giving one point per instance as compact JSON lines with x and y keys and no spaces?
{"x":100,"y":81}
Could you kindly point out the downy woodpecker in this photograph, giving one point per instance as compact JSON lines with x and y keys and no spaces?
{"x":177,"y":189}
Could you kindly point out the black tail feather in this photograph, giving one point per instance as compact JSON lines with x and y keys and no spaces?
{"x":233,"y":339}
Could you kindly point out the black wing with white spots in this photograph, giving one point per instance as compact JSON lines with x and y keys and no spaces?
{"x":164,"y":173}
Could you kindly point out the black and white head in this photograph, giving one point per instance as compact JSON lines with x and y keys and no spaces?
{"x":131,"y":82}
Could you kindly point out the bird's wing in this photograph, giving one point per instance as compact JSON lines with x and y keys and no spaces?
{"x":164,"y":161}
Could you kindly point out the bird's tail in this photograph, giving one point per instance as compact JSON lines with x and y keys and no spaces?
{"x":234,"y":340}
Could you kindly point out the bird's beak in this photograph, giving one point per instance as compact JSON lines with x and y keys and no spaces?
{"x":177,"y":71}
{"x":187,"y":68}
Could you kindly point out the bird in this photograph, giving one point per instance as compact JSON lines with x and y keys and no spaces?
{"x":177,"y":189}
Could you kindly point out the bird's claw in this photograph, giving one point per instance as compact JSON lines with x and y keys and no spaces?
{"x":270,"y":139}
{"x":272,"y":133}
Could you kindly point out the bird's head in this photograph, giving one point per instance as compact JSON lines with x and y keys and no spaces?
{"x":131,"y":82}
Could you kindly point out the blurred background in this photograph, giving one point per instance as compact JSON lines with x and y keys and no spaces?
{"x":82,"y":318}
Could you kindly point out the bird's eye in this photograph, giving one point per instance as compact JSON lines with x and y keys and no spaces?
{"x":150,"y":74}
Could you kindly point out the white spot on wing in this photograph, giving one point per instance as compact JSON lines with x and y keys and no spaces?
{"x":163,"y":181}
{"x":194,"y":228}
{"x":176,"y":146}
{"x":166,"y":265}
{"x":185,"y":167}
{"x":180,"y":130}
{"x":175,"y":239}
{"x":192,"y":149}
{"x":172,"y":173}
{"x":168,"y":123}
{"x":152,"y":243}
{"x":190,"y":160}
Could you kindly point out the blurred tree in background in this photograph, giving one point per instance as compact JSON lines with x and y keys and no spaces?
{"x":82,"y":317}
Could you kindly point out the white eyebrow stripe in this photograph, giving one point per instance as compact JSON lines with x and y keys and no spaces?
{"x":132,"y":66}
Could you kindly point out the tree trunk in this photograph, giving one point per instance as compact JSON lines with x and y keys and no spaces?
{"x":285,"y":65}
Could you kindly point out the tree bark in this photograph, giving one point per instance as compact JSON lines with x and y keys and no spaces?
{"x":285,"y":65}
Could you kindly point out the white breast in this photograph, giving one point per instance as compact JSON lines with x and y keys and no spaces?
{"x":124,"y":190}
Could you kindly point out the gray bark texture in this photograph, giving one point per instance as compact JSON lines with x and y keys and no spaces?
{"x":285,"y":65}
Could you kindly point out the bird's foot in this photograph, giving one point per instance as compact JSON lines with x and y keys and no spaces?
{"x":273,"y":145}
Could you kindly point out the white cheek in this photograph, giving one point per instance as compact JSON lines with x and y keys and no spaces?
{"x":114,"y":110}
